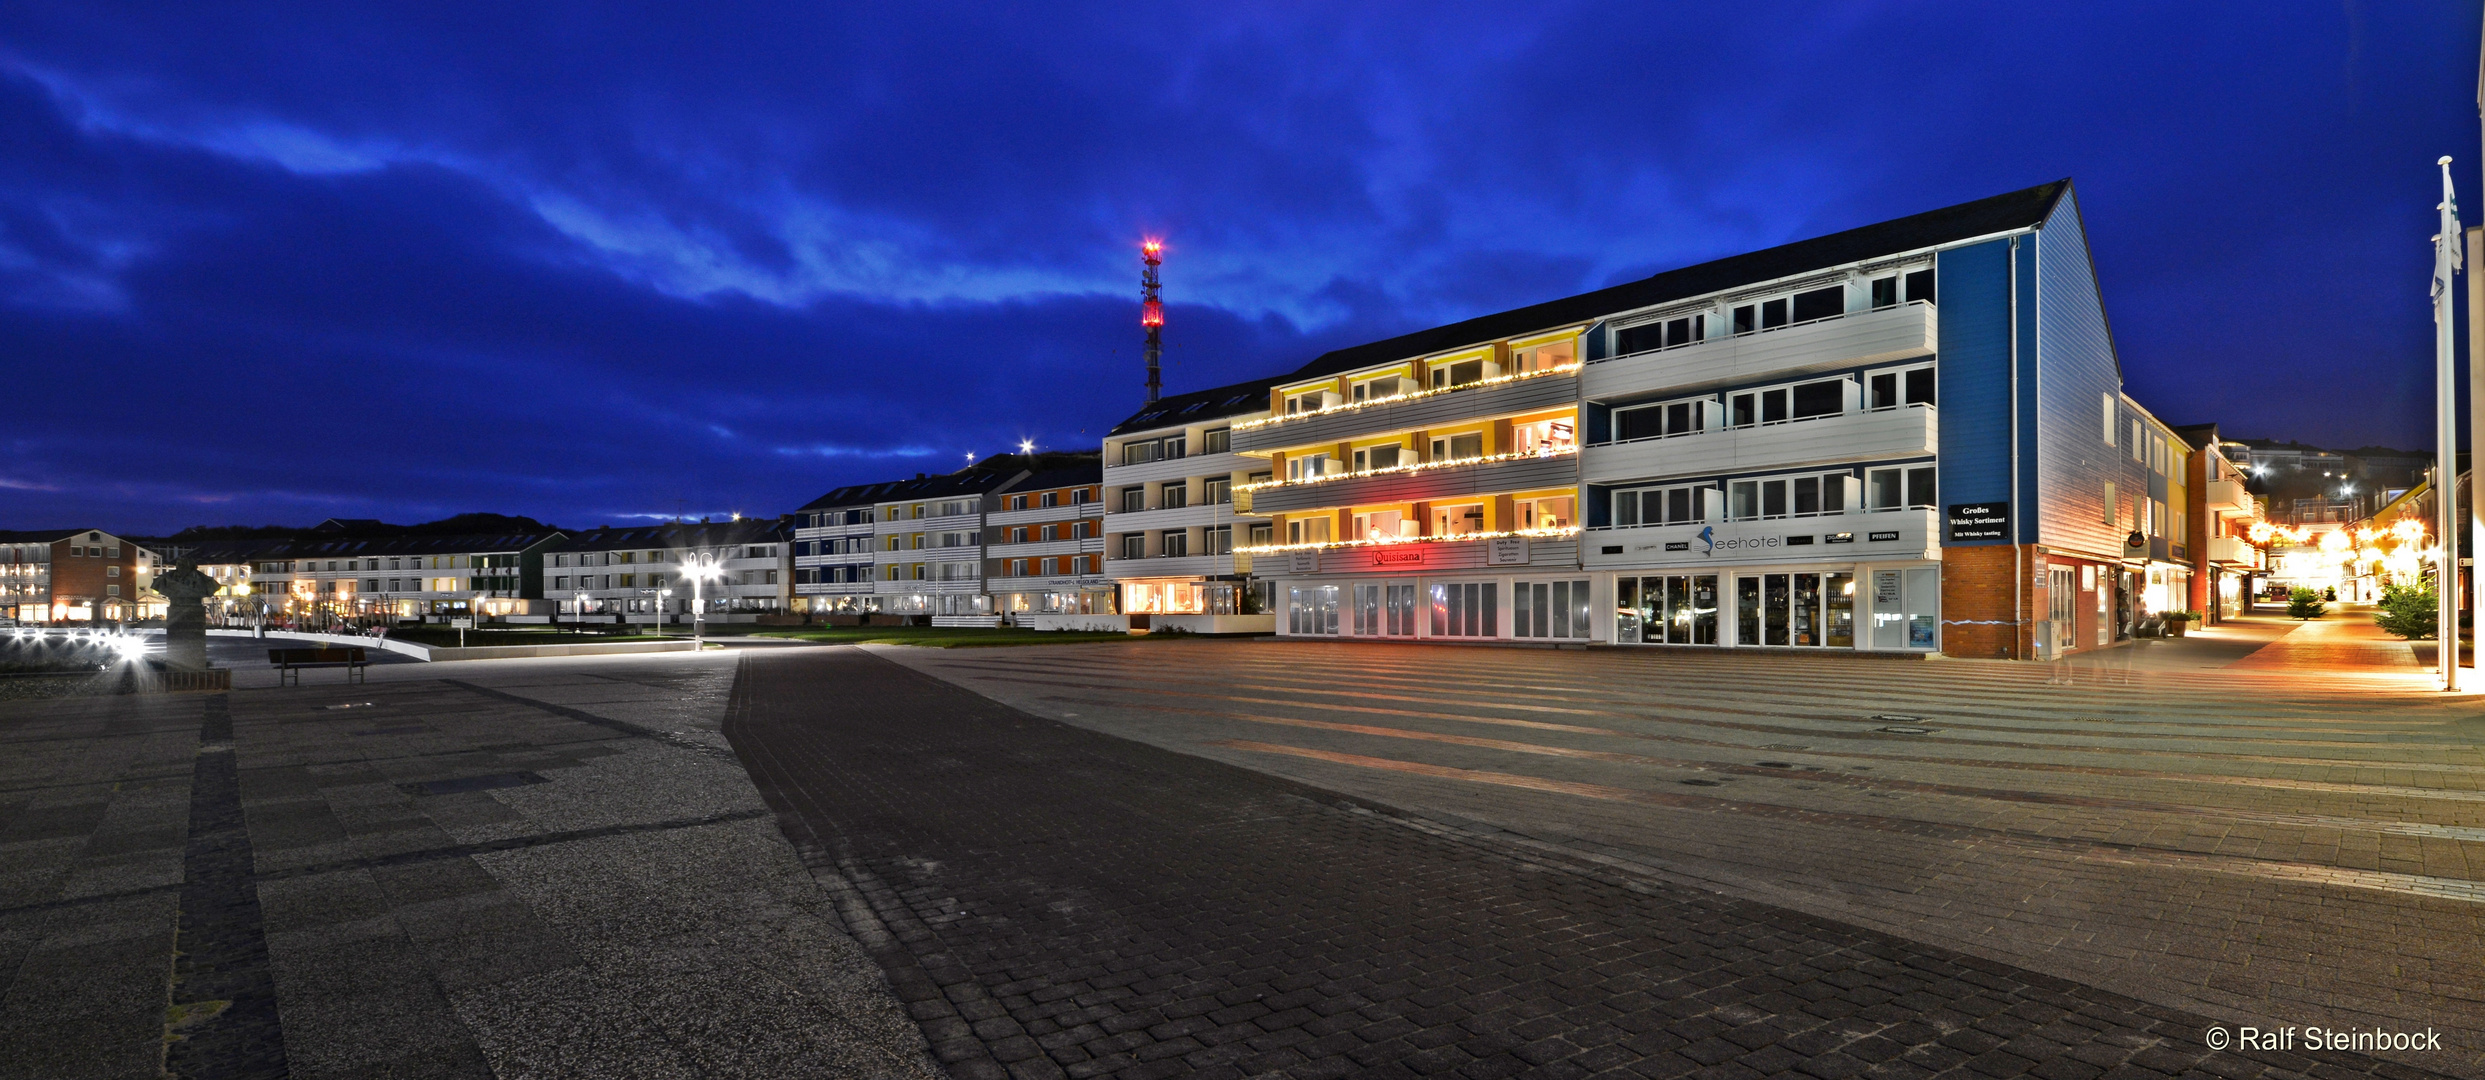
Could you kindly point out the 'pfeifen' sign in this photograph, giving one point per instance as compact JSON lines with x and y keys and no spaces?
{"x":1979,"y":521}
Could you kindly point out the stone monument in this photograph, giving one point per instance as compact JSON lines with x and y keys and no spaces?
{"x":185,"y":591}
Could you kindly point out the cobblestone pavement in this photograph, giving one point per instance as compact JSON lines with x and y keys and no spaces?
{"x":507,"y":868}
{"x":1049,"y":900}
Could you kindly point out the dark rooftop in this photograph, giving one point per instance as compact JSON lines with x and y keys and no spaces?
{"x":2000,"y":213}
{"x":1198,"y":405}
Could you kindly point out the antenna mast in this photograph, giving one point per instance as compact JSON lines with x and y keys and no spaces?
{"x":1152,"y":312}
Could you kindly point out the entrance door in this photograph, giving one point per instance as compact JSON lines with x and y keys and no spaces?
{"x":2062,"y":608}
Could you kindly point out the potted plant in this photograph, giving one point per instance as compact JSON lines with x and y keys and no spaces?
{"x":2179,"y":621}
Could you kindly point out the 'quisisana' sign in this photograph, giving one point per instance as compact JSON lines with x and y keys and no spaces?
{"x":1979,"y":521}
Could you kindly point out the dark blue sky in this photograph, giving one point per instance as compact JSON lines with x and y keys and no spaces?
{"x":596,"y":263}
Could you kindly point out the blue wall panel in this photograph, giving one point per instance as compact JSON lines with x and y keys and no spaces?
{"x":1974,"y":364}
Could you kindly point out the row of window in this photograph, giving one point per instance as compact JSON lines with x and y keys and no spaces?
{"x":1023,"y":534}
{"x":1213,"y":491}
{"x":1078,"y":497}
{"x":1052,"y":567}
{"x":561,"y":582}
{"x":1551,"y":436}
{"x":1176,"y":543}
{"x":1874,"y":392}
{"x":1895,"y":488}
{"x":1810,"y":305}
{"x":1173,"y":447}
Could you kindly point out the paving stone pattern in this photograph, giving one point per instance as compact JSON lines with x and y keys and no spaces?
{"x":528,"y":870}
{"x":1052,"y":901}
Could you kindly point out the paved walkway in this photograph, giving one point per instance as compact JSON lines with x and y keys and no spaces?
{"x":2265,"y":849}
{"x":1053,"y":901}
{"x":2343,"y":642}
{"x":495,"y":869}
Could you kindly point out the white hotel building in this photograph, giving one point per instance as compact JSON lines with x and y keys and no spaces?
{"x":1172,"y":527}
{"x":1883,"y":439}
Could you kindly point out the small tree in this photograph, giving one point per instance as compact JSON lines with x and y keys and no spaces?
{"x":2409,"y":611}
{"x":2303,"y":603}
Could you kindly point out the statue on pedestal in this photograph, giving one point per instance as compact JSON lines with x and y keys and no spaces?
{"x":185,"y":591}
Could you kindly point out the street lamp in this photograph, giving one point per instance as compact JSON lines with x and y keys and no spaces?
{"x":582,"y":613}
{"x":700,"y":568}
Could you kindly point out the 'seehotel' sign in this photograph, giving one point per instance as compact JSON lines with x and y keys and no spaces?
{"x":1979,"y":521}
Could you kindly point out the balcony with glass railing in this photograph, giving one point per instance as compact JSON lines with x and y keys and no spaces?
{"x":1903,"y":431}
{"x":1853,"y":339}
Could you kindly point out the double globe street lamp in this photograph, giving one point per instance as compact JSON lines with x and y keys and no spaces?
{"x":700,"y":568}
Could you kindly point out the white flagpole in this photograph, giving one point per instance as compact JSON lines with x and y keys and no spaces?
{"x":2446,"y":259}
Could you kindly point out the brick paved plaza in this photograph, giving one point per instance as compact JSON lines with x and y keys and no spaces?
{"x":1237,"y":859}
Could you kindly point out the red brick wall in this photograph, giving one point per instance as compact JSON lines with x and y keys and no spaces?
{"x":1977,"y":616}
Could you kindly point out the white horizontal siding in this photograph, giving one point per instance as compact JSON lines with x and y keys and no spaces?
{"x":1913,"y":431}
{"x":1891,"y":334}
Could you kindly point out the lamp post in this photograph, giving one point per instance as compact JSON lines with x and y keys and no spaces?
{"x":700,"y":568}
{"x":582,"y":613}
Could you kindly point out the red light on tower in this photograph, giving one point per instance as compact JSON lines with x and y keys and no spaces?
{"x":1152,"y":310}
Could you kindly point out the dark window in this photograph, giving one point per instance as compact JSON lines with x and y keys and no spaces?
{"x":1920,"y":386}
{"x":1639,"y":424}
{"x":1641,"y":338}
{"x":1134,"y":500}
{"x":1920,"y":286}
{"x":1685,"y":331}
{"x":1826,"y":398}
{"x":1743,"y":323}
{"x":1173,"y":447}
{"x":1678,"y":505}
{"x":1808,"y":495}
{"x":1833,"y":494}
{"x":1884,"y":391}
{"x":1920,"y":488}
{"x":1773,"y":406}
{"x":1678,"y":418}
{"x":1743,"y":411}
{"x":1773,"y":499}
{"x":1820,"y":303}
{"x":1216,"y":442}
{"x":1884,"y":292}
{"x":1772,"y":313}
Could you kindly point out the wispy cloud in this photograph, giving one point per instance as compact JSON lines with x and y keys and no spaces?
{"x":830,"y":450}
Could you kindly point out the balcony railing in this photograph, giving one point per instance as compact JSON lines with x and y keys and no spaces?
{"x":1501,"y":396}
{"x":1906,"y":331}
{"x":1427,"y":482}
{"x":1871,"y":435}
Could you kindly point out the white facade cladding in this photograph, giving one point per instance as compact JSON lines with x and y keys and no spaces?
{"x":1172,"y":527}
{"x":1771,"y":479}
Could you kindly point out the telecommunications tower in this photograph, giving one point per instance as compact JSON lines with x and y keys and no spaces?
{"x":1152,"y":311}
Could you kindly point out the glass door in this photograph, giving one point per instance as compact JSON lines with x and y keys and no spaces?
{"x":1838,"y":592}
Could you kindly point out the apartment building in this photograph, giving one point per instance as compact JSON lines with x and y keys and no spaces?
{"x":1901,"y":437}
{"x":836,"y":551}
{"x":75,"y":576}
{"x":634,"y":573}
{"x":2223,"y":557}
{"x":928,"y":540}
{"x":1044,"y":543}
{"x":1173,"y":526}
{"x":402,"y":575}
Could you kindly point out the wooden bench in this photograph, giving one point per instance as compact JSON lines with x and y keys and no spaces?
{"x":290,"y":662}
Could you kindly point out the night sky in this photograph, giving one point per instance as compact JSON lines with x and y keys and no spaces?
{"x":599,"y":265}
